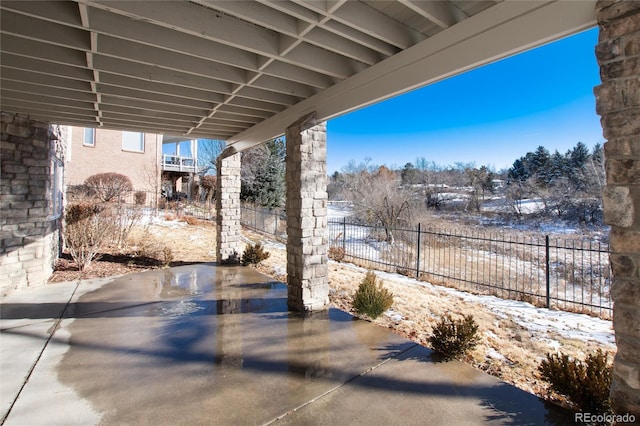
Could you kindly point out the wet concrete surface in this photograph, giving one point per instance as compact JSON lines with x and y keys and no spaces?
{"x":209,"y":344}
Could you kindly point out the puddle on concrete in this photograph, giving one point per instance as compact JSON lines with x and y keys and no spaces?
{"x":187,"y":341}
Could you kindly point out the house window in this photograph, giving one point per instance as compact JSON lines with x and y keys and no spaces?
{"x":89,"y":137}
{"x":133,"y":141}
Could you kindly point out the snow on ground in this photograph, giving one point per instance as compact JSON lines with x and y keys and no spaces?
{"x":538,"y":321}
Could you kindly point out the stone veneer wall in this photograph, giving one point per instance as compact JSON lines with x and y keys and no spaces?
{"x":618,"y":103}
{"x":29,"y":226}
{"x":306,"y":205}
{"x":228,"y":209}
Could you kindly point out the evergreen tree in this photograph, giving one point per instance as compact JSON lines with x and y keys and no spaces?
{"x":262,"y":174}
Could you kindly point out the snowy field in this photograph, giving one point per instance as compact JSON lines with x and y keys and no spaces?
{"x":579,"y":274}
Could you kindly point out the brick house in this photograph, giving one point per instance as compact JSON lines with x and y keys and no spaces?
{"x":152,"y":161}
{"x":134,"y":154}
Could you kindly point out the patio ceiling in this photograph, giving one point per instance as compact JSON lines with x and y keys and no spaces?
{"x":242,"y":71}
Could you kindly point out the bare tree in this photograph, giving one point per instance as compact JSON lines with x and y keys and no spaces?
{"x":208,"y":152}
{"x":378,"y":197}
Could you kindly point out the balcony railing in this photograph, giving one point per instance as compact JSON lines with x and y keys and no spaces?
{"x":176,"y":163}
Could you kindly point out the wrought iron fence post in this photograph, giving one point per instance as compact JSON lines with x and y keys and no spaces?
{"x":344,"y":233}
{"x":418,"y":255}
{"x":547,"y":272}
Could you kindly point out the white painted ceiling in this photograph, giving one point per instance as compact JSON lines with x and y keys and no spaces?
{"x":242,"y":71}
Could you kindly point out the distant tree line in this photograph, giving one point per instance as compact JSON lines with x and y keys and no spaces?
{"x":568,"y":186}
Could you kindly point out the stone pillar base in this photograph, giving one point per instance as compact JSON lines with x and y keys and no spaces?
{"x":306,"y":206}
{"x":228,"y":243}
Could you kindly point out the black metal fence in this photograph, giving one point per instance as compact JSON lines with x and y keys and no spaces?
{"x":555,"y":272}
{"x":269,"y":221}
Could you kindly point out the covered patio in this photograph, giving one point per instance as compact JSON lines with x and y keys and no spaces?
{"x":246,"y":72}
{"x":212,"y":344}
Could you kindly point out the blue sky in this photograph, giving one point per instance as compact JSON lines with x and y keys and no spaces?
{"x":490,"y":116}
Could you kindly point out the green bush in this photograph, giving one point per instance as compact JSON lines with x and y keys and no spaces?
{"x":371,"y":298}
{"x":453,"y":338}
{"x":585,"y":383}
{"x":254,"y":254}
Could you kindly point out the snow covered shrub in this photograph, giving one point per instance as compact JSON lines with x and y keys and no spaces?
{"x":254,"y":254}
{"x":585,"y":383}
{"x":453,"y":338}
{"x":336,"y":253}
{"x":371,"y":298}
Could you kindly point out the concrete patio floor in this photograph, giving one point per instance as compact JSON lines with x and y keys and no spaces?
{"x":215,"y":345}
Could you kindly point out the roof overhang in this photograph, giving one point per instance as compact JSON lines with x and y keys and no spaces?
{"x":243,"y":71}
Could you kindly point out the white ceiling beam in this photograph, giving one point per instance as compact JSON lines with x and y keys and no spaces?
{"x":44,"y":112}
{"x":44,"y":80}
{"x":161,"y":88}
{"x":371,"y":22}
{"x":145,"y":112}
{"x":197,"y":20}
{"x":256,"y":104}
{"x":55,"y":92}
{"x":202,"y":22}
{"x":149,"y":119}
{"x":27,"y":105}
{"x":270,"y":17}
{"x":41,"y":98}
{"x":159,"y":74}
{"x":256,"y":13}
{"x":40,"y":30}
{"x":298,"y":75}
{"x":153,"y":35}
{"x":442,"y":13}
{"x":56,"y":12}
{"x":263,"y":95}
{"x":151,"y":106}
{"x":39,"y":50}
{"x":245,"y":111}
{"x":498,"y":32}
{"x":280,"y":85}
{"x":45,"y":67}
{"x":170,"y":100}
{"x":149,"y":55}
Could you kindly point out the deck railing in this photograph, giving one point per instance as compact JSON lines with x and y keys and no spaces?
{"x":177,"y":163}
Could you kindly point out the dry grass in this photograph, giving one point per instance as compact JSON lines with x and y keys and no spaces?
{"x":507,"y":350}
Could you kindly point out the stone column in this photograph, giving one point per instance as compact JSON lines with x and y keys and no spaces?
{"x":618,"y":104}
{"x":228,"y":241}
{"x":306,"y":205}
{"x":31,"y":167}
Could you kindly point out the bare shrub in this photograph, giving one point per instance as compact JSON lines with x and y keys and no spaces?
{"x":208,"y":183}
{"x":88,"y":228}
{"x":167,"y":256}
{"x":371,"y":298}
{"x":126,"y":218}
{"x":140,"y":198}
{"x":453,"y":338}
{"x":336,"y":253}
{"x":109,"y":186}
{"x":189,"y":220}
{"x":146,"y":245}
{"x":585,"y":383}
